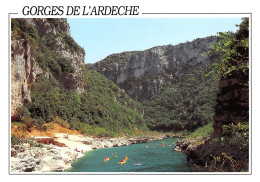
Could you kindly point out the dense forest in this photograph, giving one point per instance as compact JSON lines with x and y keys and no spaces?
{"x":185,"y":105}
{"x":104,"y":110}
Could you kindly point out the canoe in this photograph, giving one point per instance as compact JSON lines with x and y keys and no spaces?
{"x":122,"y":162}
{"x":107,"y":159}
{"x":138,"y":164}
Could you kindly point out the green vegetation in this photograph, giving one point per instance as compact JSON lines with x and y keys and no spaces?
{"x":185,"y":105}
{"x":68,"y":40}
{"x":204,"y":131}
{"x":228,"y":148}
{"x":233,"y":51}
{"x":236,"y":134}
{"x":43,"y":47}
{"x":18,"y":141}
{"x":104,"y":110}
{"x":234,"y":63}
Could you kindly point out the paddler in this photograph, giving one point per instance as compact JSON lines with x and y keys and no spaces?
{"x":125,"y":158}
{"x":114,"y":155}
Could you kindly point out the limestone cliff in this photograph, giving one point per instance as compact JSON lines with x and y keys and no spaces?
{"x":24,"y":70}
{"x":28,"y":36}
{"x":143,"y":74}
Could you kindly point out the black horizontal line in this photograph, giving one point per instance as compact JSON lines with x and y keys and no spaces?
{"x":13,"y":13}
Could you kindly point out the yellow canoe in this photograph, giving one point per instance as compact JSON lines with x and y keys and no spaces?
{"x":122,"y":162}
{"x":107,"y":159}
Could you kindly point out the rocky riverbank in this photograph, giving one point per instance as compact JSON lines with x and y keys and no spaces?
{"x":189,"y":147}
{"x":214,"y":155}
{"x":57,"y":153}
{"x":42,"y":159}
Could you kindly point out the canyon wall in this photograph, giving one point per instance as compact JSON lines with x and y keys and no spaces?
{"x":24,"y":65}
{"x":143,"y":74}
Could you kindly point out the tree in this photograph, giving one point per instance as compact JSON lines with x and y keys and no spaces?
{"x":233,"y":51}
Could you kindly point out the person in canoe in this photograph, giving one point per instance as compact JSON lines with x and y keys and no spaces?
{"x":114,"y":155}
{"x":122,"y":161}
{"x":125,"y":158}
{"x":138,"y":164}
{"x":106,"y":158}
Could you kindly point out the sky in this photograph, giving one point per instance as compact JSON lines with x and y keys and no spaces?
{"x":101,"y":37}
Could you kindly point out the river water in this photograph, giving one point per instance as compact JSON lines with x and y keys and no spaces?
{"x":157,"y":159}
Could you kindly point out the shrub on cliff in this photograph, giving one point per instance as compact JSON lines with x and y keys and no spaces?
{"x":22,"y":113}
{"x":233,"y":51}
{"x":42,"y":46}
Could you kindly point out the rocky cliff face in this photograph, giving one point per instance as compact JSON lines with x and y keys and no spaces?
{"x":45,"y":30}
{"x":25,"y":67}
{"x":24,"y":70}
{"x":145,"y":73}
{"x":232,"y":101}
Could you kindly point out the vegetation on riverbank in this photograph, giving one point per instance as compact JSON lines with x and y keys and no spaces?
{"x":184,"y":106}
{"x":204,"y":131}
{"x":104,"y":110}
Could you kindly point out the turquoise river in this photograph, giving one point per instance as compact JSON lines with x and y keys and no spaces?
{"x":153,"y":158}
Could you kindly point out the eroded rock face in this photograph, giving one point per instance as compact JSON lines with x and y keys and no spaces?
{"x":232,"y":101}
{"x":44,"y":27}
{"x":24,"y":67}
{"x":24,"y":70}
{"x":146,"y":73}
{"x":45,"y":30}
